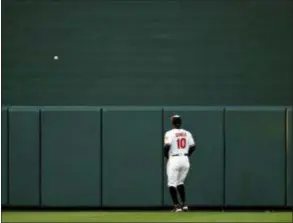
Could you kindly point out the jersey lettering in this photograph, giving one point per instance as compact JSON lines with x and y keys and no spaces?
{"x":180,"y":134}
{"x":180,"y":140}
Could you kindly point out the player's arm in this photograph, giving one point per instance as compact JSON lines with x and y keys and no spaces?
{"x":192,"y":145}
{"x":166,"y":150}
{"x":191,"y":150}
{"x":167,"y":145}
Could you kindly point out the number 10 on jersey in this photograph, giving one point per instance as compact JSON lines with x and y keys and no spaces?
{"x":181,"y":143}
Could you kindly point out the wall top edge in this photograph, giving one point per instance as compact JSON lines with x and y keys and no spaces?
{"x":147,"y":108}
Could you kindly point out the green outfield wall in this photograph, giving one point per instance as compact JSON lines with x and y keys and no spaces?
{"x":112,"y":156}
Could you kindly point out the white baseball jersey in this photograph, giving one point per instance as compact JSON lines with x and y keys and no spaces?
{"x":180,"y":140}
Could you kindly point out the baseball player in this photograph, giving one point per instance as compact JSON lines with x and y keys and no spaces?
{"x":178,"y":146}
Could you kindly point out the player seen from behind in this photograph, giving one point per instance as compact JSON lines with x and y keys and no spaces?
{"x":178,"y":147}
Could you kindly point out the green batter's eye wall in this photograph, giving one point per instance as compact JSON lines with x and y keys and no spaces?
{"x":147,"y":53}
{"x":112,"y":156}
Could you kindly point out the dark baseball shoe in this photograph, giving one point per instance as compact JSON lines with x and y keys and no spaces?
{"x":177,"y":208}
{"x":184,"y":207}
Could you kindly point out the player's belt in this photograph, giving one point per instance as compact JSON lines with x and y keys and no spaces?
{"x":180,"y":154}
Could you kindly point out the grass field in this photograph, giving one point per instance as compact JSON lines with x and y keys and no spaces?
{"x":159,"y":216}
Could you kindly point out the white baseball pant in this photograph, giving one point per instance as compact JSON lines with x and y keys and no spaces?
{"x":177,"y":170}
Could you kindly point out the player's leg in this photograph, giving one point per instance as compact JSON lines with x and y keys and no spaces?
{"x":172,"y":174}
{"x":181,"y":191}
{"x":180,"y":187}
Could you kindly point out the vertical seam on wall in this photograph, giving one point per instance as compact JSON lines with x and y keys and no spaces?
{"x":40,"y":157}
{"x":101,"y":157}
{"x":162,"y":156}
{"x":8,"y":157}
{"x":224,"y":158}
{"x":286,"y":152}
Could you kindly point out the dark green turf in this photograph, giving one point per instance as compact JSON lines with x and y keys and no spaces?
{"x":99,"y":216}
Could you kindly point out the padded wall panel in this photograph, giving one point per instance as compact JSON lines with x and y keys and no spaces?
{"x":289,"y":159}
{"x":132,"y":157}
{"x":255,"y":156}
{"x":24,"y":156}
{"x":4,"y":152}
{"x":71,"y":162}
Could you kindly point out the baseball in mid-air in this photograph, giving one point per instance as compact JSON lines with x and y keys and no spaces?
{"x":56,"y":57}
